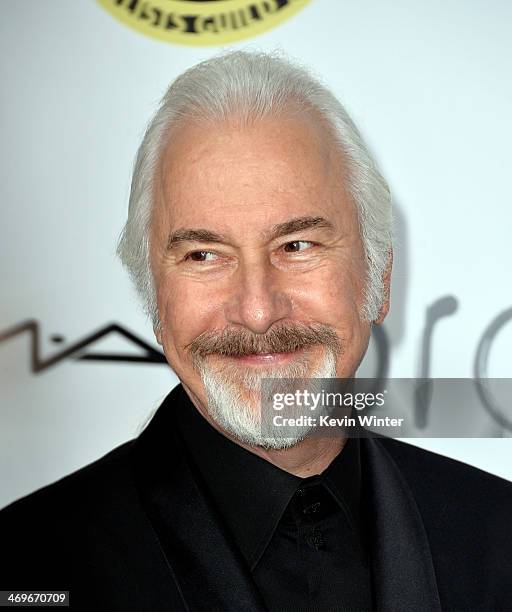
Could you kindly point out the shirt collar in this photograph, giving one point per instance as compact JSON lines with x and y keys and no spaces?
{"x":252,"y":493}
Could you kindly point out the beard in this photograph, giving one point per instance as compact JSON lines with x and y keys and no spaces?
{"x":239,"y":400}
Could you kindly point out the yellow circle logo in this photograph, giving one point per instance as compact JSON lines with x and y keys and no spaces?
{"x":202,"y":22}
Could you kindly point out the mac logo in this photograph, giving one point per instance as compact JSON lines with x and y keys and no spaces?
{"x":80,"y":350}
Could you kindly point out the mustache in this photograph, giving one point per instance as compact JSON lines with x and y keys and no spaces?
{"x":280,"y":339}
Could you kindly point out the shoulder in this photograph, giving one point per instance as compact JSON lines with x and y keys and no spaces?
{"x":458,"y":502}
{"x":466,"y":516}
{"x":92,"y":480}
{"x":42,"y":533}
{"x":101,"y":486}
{"x":430,"y":472}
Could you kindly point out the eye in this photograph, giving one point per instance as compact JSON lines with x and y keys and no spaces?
{"x":200,"y":256}
{"x":297,"y":245}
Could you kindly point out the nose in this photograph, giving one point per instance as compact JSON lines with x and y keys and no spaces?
{"x":258,"y":298}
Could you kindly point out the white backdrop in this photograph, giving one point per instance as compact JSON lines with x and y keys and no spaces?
{"x":429,"y":86}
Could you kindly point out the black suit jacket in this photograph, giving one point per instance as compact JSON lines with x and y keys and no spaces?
{"x":135,"y":531}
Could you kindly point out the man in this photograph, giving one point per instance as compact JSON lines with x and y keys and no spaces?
{"x":259,"y":237}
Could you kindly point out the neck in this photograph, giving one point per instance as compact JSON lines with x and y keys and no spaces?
{"x":307,"y":458}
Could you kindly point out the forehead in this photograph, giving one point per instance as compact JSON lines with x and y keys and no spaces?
{"x":240,"y":177}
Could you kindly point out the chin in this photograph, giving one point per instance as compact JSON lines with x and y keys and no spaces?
{"x":235,"y":402}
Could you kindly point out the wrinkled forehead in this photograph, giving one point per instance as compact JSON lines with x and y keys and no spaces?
{"x":259,"y":173}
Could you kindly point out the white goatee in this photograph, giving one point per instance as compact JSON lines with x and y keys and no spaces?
{"x":234,"y":400}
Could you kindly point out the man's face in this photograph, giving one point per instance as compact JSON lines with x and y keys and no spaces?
{"x":258,"y":263}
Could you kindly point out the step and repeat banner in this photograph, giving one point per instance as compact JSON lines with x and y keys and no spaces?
{"x":428,"y":85}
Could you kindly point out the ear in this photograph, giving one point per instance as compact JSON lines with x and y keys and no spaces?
{"x":387,"y":286}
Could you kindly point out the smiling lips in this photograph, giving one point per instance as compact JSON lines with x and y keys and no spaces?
{"x":266,"y":358}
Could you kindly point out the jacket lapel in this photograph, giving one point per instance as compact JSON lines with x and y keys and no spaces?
{"x":207,"y":568}
{"x":402,"y":569}
{"x":210,"y":572}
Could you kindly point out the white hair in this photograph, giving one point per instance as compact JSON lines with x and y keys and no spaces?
{"x":250,"y":419}
{"x":250,"y":86}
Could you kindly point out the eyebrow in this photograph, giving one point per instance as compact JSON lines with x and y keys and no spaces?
{"x":194,"y":235}
{"x":299,"y":224}
{"x":281,"y":229}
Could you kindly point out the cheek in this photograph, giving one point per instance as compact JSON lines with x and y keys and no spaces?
{"x":185,"y":311}
{"x":332,"y":293}
{"x":334,"y":297}
{"x":346,"y":297}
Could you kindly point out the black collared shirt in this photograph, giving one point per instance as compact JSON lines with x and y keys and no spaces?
{"x":302,"y":538}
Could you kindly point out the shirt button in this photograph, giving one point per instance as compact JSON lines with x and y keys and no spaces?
{"x":316,"y":539}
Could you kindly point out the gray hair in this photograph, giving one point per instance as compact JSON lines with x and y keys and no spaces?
{"x":253,"y":85}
